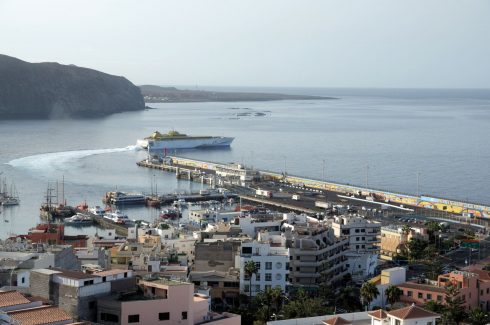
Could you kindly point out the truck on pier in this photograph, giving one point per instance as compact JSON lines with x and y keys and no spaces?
{"x":263,"y":193}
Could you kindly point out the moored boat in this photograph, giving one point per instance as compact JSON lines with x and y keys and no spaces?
{"x":79,"y":220}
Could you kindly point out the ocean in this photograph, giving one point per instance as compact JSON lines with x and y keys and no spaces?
{"x":382,"y":137}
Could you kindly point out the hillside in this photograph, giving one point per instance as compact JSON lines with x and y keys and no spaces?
{"x":52,"y":90}
{"x":156,"y":94}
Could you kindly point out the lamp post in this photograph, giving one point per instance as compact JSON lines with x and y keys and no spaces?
{"x":323,"y":170}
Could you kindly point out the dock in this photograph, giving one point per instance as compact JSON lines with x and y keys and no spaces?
{"x":226,"y":175}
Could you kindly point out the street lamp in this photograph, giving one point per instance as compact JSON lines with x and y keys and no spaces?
{"x":323,"y":170}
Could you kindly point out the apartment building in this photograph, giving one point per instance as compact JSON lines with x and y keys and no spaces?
{"x":474,"y":288}
{"x":271,"y":259}
{"x":316,"y":255}
{"x":394,"y":240}
{"x":364,"y":238}
{"x":363,"y":233}
{"x":160,"y":301}
{"x":76,"y":292}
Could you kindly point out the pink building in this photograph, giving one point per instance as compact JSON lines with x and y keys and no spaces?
{"x":474,"y":288}
{"x":161,"y":301}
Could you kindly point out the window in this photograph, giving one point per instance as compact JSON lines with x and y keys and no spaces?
{"x":357,"y":230}
{"x":409,"y":294}
{"x":357,"y":238}
{"x":246,"y":288}
{"x":246,"y":250}
{"x":397,"y":322}
{"x":23,"y":280}
{"x":257,"y":265}
{"x":184,"y":315}
{"x":125,"y":274}
{"x":363,"y":246}
{"x":287,"y":267}
{"x":429,"y":323}
{"x":363,"y":238}
{"x":268,"y":286}
{"x":363,"y":230}
{"x":109,"y":317}
{"x":420,"y":295}
{"x":268,"y":265}
{"x":268,"y":277}
{"x":88,"y":282}
{"x":257,"y":276}
{"x":91,"y":304}
{"x":133,"y":318}
{"x":166,"y":316}
{"x":429,"y":296}
{"x":357,"y":246}
{"x":104,"y":279}
{"x":439,"y":298}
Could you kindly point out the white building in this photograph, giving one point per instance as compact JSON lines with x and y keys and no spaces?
{"x":364,"y":238}
{"x":251,"y":225}
{"x":272,"y":261}
{"x":411,"y":315}
{"x":392,"y":276}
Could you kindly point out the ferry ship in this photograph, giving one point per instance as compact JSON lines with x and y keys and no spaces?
{"x":176,"y":140}
{"x":124,"y":198}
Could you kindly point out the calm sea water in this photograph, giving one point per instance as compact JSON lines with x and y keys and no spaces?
{"x":387,"y":135}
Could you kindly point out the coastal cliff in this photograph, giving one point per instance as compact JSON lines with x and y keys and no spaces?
{"x":52,"y":90}
{"x":157,"y":94}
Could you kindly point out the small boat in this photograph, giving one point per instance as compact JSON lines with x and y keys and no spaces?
{"x":10,"y":201}
{"x":97,"y":210}
{"x":118,"y":217}
{"x":79,"y":220}
{"x":170,"y":214}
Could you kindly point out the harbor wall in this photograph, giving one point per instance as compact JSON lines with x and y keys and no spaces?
{"x":423,"y":201}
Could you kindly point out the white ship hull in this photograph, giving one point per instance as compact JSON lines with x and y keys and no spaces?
{"x":188,"y":143}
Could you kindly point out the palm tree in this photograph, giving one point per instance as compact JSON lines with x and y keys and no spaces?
{"x":369,"y":292}
{"x":250,"y":269}
{"x":406,"y":229}
{"x":478,"y":317}
{"x":393,"y":294}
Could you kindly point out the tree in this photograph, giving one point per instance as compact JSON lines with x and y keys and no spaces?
{"x":432,"y":228}
{"x":270,"y":302}
{"x":250,"y":269}
{"x":416,"y":248}
{"x":369,"y":292}
{"x":406,"y":229}
{"x":434,"y":269}
{"x":478,"y":317}
{"x":393,"y":294}
{"x":434,"y":306}
{"x":454,"y":311}
{"x":348,"y":299}
{"x":303,"y":306}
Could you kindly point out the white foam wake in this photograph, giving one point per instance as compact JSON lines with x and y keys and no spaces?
{"x":62,"y":160}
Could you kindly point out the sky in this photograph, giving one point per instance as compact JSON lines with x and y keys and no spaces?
{"x":265,"y":43}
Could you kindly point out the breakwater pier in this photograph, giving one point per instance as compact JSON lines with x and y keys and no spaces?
{"x":243,"y":180}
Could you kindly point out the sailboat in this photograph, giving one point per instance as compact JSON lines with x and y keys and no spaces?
{"x":8,"y":198}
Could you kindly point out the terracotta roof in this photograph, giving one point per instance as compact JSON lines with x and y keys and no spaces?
{"x":483,"y":275}
{"x":420,"y":286}
{"x":412,"y":312}
{"x":378,"y":314}
{"x":12,"y":298}
{"x":39,"y":315}
{"x":336,"y":321}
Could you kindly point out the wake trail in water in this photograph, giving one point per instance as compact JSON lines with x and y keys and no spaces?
{"x":62,"y":160}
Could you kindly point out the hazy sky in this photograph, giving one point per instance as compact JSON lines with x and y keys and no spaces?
{"x":323,"y":43}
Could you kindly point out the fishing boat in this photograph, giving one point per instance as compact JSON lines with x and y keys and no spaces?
{"x":170,"y":213}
